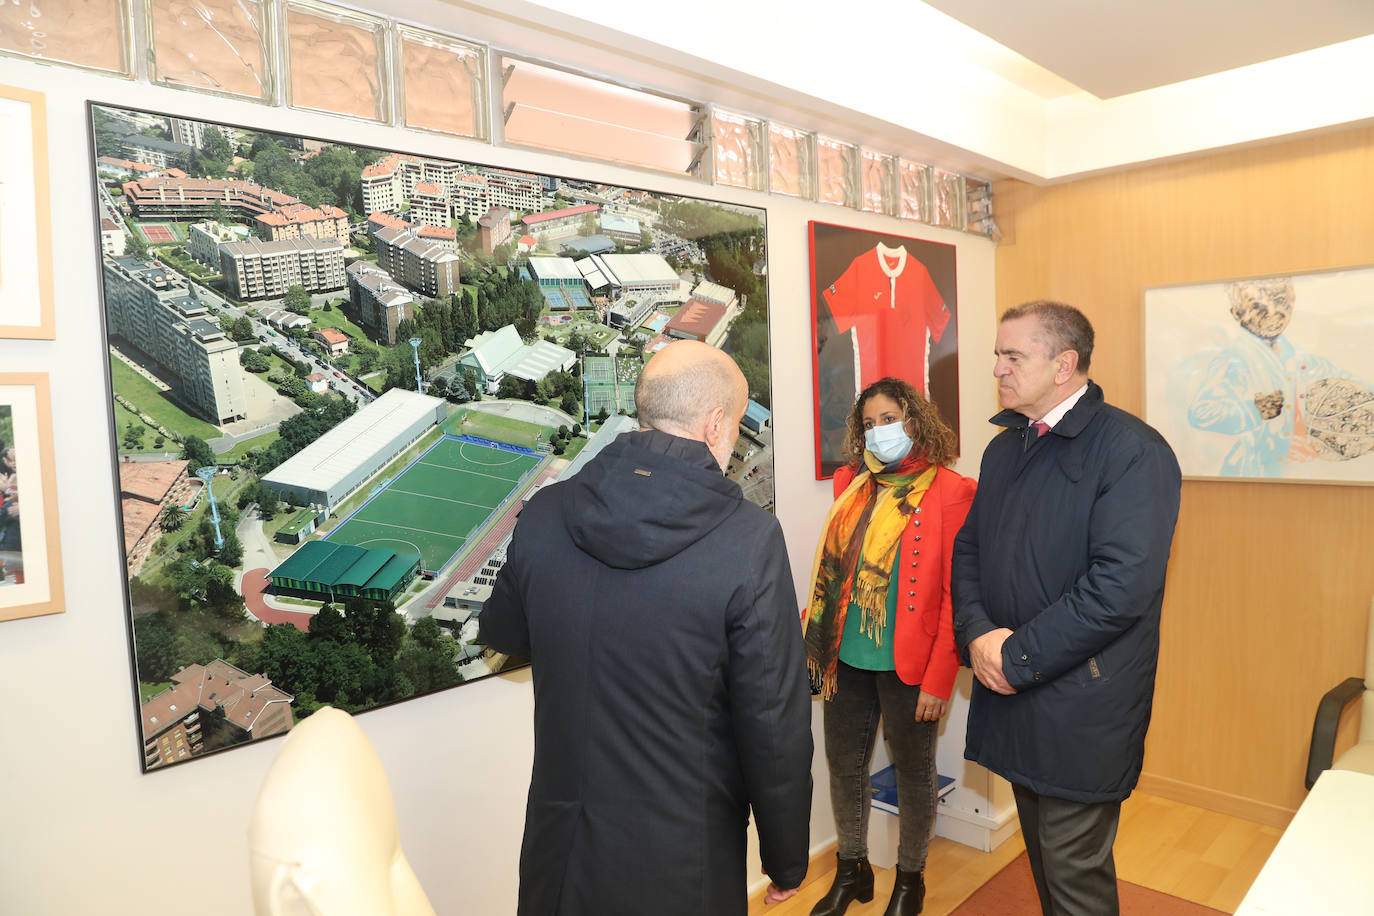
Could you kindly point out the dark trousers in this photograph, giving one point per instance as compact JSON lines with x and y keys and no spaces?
{"x":851,"y":728}
{"x":1070,"y":850}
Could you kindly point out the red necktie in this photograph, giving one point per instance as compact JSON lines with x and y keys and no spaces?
{"x":1041,"y":427}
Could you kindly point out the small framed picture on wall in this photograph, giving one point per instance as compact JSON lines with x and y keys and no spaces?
{"x":30,"y":549}
{"x":26,"y":303}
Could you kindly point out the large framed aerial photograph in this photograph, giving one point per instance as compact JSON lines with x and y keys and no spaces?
{"x":1265,"y":378}
{"x":26,"y":303}
{"x":30,"y":547}
{"x":881,"y":305}
{"x":336,"y":372}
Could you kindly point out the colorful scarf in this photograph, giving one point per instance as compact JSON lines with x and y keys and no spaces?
{"x":867,"y":520}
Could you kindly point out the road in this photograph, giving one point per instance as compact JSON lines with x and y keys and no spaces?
{"x":344,"y":384}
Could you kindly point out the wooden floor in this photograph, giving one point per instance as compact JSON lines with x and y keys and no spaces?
{"x":1189,"y":852}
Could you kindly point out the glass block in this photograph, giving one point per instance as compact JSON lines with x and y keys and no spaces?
{"x":554,"y":109}
{"x":93,"y":34}
{"x":911,"y":181}
{"x":978,"y":196}
{"x":837,"y":172}
{"x":335,"y":61}
{"x":217,"y":46}
{"x":791,"y":168}
{"x":877,"y":171}
{"x":737,"y":150}
{"x":443,"y":83}
{"x":947,"y":199}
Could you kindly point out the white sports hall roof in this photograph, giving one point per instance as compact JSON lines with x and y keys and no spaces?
{"x":330,"y":459}
{"x":639,"y":269}
{"x":538,"y":360}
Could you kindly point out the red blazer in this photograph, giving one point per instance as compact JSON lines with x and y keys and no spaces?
{"x":923,"y":643}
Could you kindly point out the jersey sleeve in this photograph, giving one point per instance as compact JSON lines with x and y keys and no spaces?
{"x":844,"y":296}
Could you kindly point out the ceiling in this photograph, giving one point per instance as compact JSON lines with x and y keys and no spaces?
{"x":1115,"y":47}
{"x":1043,"y":90}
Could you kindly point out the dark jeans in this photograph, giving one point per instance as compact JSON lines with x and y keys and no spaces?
{"x":1069,"y":845}
{"x":851,"y":727}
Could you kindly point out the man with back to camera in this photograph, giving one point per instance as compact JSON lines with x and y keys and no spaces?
{"x":657,"y":608}
{"x":1058,"y":579}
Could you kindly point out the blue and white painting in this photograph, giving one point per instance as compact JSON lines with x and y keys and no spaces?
{"x":1265,"y":378}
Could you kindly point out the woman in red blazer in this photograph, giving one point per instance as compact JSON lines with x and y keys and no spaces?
{"x":880,"y":628}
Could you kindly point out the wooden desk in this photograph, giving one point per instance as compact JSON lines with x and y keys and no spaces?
{"x":1324,"y":862}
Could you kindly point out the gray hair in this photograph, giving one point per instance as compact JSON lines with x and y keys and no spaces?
{"x":1067,"y":327}
{"x":679,"y":399}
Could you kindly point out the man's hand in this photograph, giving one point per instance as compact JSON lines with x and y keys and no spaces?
{"x":778,"y":895}
{"x":986,"y":654}
{"x":930,"y":708}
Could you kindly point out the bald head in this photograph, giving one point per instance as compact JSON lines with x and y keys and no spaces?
{"x":695,"y":391}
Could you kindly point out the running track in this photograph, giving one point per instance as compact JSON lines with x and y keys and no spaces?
{"x":255,"y":581}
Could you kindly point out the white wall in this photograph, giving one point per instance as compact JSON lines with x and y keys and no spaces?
{"x":84,"y":831}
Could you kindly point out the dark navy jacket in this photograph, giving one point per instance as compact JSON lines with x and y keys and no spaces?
{"x":670,"y":690}
{"x":1066,"y":545}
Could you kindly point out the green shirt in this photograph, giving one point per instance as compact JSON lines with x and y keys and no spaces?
{"x":857,"y":649}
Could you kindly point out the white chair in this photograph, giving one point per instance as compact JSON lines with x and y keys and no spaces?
{"x":323,"y":839}
{"x":1360,"y":757}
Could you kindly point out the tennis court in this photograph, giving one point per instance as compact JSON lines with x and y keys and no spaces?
{"x":435,"y":504}
{"x":598,"y":370}
{"x":157,"y":233}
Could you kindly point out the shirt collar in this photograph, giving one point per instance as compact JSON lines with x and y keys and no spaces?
{"x":1057,"y":412}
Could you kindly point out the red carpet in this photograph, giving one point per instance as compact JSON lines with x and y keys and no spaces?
{"x":1011,"y":892}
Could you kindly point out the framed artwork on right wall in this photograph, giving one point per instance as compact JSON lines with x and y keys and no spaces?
{"x":1265,"y":378}
{"x":880,"y":305}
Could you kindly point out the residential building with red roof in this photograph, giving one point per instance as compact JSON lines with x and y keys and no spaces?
{"x":238,"y":706}
{"x":697,"y":320}
{"x":334,"y":341}
{"x":145,"y":489}
{"x":559,"y":223}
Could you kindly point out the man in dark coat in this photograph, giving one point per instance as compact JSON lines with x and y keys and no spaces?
{"x":1058,"y":578}
{"x":657,"y":607}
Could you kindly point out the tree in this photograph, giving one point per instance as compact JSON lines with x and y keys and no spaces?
{"x":172,"y":518}
{"x":242,"y":328}
{"x":426,"y":632}
{"x":328,"y":623}
{"x":577,"y":429}
{"x":439,"y":387}
{"x":470,"y":382}
{"x":134,"y":246}
{"x":215,"y":146}
{"x":230,"y":553}
{"x":602,"y":415}
{"x":254,"y":361}
{"x":155,"y":648}
{"x":569,"y":404}
{"x":133,"y":436}
{"x":511,"y":387}
{"x":563,"y":432}
{"x":194,"y":450}
{"x":297,"y":300}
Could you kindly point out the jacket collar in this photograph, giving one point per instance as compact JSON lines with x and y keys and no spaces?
{"x":1073,"y":422}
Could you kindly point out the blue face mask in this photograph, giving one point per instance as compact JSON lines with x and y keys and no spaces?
{"x":888,"y":443}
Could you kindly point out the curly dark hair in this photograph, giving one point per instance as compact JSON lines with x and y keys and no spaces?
{"x":933,"y":439}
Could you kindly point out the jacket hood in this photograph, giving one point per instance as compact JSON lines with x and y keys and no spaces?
{"x":647,"y":497}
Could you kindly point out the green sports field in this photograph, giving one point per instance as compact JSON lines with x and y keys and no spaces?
{"x":436,"y":504}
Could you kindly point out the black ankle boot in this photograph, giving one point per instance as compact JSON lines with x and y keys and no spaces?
{"x":908,"y":894}
{"x":853,"y":881}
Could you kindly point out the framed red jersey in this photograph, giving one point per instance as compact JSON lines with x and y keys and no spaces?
{"x":881,"y":305}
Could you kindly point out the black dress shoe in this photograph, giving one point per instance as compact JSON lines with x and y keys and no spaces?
{"x":908,"y":894}
{"x":853,"y":881}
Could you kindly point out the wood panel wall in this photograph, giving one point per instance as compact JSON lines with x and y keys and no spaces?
{"x":1269,"y":584}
